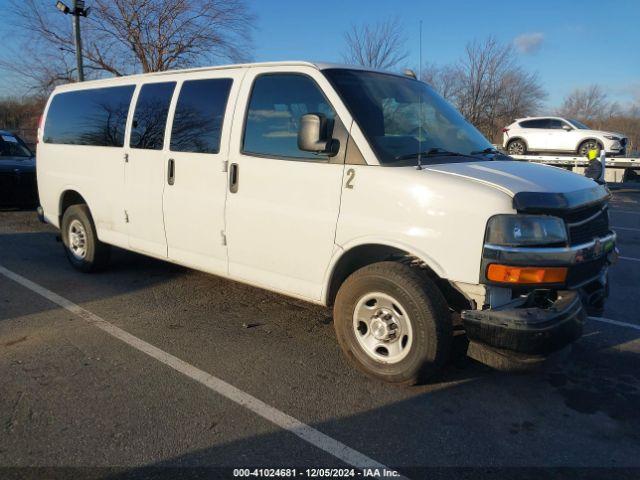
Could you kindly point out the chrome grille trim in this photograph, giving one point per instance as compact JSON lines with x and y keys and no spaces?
{"x":587,"y":220}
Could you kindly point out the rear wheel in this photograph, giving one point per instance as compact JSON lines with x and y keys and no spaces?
{"x":587,"y":145}
{"x":517,"y":147}
{"x":84,"y":251}
{"x":393,"y":323}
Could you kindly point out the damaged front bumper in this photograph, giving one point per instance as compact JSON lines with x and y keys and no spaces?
{"x":537,"y":324}
{"x":549,"y":317}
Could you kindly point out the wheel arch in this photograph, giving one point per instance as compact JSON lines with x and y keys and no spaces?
{"x":360,"y":255}
{"x":70,"y":196}
{"x":583,"y":140}
{"x":518,"y":137}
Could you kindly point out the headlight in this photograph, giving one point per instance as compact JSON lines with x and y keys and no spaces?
{"x":525,"y":230}
{"x":611,"y":137}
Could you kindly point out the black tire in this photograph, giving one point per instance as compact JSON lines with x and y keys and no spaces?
{"x":96,"y":254}
{"x":427,"y":312}
{"x":587,"y":145}
{"x":517,"y":147}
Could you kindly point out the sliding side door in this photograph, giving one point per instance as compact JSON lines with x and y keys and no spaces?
{"x":195,"y":186}
{"x":145,"y":168}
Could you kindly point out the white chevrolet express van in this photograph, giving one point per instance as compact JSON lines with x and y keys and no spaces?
{"x":356,"y":189}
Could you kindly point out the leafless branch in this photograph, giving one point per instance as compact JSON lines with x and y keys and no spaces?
{"x":380,"y":45}
{"x":122,"y":37}
{"x":488,"y":86}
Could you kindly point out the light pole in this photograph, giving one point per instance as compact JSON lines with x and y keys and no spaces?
{"x":78,"y":10}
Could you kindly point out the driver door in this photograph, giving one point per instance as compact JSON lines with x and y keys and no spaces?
{"x":283,"y":203}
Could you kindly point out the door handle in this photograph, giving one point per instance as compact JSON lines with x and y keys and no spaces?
{"x":233,"y":177}
{"x":171,"y":172}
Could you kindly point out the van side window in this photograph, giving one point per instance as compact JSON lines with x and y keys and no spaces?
{"x":197,"y":122}
{"x":150,"y":118}
{"x":276,"y":105}
{"x":95,"y":117}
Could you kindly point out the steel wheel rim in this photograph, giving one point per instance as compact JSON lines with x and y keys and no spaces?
{"x":382,"y":328}
{"x":77,"y":240}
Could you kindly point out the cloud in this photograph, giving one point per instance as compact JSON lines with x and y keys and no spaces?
{"x":529,"y":43}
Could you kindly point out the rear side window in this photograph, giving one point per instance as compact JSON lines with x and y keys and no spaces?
{"x":96,"y":117}
{"x":150,"y":117}
{"x":540,"y":123}
{"x":277,"y":103}
{"x":197,"y":122}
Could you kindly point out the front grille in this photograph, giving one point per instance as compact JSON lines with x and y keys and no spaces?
{"x":597,"y":227}
{"x":585,"y":272}
{"x":585,"y":224}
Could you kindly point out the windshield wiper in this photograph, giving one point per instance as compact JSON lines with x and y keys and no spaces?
{"x":486,"y":151}
{"x":432,"y":152}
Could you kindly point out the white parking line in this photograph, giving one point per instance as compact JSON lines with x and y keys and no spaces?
{"x":630,"y":258}
{"x":281,"y":419}
{"x":627,"y":228}
{"x":615,"y":322}
{"x":615,"y":210}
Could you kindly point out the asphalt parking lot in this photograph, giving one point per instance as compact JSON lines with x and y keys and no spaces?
{"x":175,"y":368}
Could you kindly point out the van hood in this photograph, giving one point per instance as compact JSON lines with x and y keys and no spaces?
{"x":543,"y":186}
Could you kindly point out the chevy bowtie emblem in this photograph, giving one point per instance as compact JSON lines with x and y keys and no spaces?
{"x":597,"y":247}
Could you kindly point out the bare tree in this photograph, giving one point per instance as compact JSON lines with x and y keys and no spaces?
{"x":627,"y":123}
{"x":488,"y":86}
{"x":128,"y":36}
{"x":444,"y":79}
{"x":380,"y":45}
{"x":495,"y":89}
{"x":20,"y":115}
{"x":588,"y":104}
{"x":519,"y":94}
{"x":592,"y":106}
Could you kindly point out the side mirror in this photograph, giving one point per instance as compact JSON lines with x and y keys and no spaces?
{"x":313,"y":135}
{"x":566,"y":128}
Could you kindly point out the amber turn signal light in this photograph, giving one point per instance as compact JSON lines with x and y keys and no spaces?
{"x":526,"y":275}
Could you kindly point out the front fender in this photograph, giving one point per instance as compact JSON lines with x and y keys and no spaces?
{"x":345,"y":249}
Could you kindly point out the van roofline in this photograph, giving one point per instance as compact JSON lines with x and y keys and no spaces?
{"x":139,"y":76}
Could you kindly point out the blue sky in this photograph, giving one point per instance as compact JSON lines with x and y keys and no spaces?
{"x":575,"y":42}
{"x":581,"y":41}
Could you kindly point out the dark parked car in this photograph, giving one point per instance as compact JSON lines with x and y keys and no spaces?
{"x":18,"y":186}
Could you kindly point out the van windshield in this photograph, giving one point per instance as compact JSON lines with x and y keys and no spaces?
{"x":389,"y":110}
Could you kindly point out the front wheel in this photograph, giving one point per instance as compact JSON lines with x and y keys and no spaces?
{"x":393,"y":323}
{"x":84,"y":251}
{"x":588,"y":145}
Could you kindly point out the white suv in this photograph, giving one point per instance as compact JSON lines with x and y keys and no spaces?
{"x":556,"y":134}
